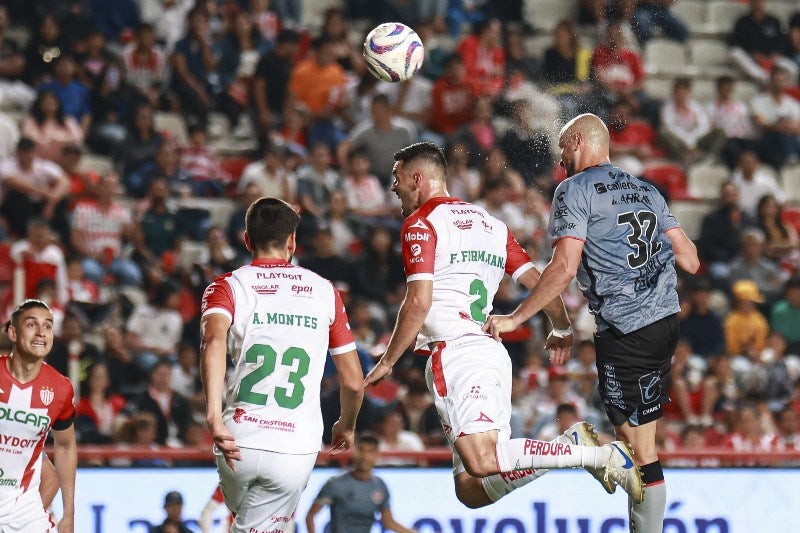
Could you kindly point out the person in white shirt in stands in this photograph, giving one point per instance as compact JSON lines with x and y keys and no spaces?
{"x":754,"y":183}
{"x":270,"y":175}
{"x":685,"y":128}
{"x":778,"y":116}
{"x":731,"y":115}
{"x":393,"y":438}
{"x":41,"y":258}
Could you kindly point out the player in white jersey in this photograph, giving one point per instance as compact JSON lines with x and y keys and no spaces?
{"x":279,"y":321}
{"x":455,"y":255}
{"x":34,"y":398}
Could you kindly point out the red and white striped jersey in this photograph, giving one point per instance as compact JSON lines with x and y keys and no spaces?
{"x":284,"y":319}
{"x":27,"y":413}
{"x":465,"y":251}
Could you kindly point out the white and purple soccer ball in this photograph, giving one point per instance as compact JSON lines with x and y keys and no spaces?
{"x":393,"y":52}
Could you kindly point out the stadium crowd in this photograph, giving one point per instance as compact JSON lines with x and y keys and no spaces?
{"x":129,"y":126}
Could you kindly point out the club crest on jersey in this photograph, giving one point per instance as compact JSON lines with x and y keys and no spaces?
{"x":377,"y":497}
{"x":47,"y":395}
{"x":486,"y":226}
{"x":463,"y":224}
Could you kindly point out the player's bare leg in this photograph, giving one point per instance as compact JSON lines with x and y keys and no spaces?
{"x":647,"y":516}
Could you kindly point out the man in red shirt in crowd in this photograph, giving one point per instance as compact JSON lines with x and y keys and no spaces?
{"x":451,"y":98}
{"x":485,"y":58}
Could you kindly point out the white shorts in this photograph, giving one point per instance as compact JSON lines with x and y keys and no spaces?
{"x":470,"y":379}
{"x":265,"y":489}
{"x":26,"y":514}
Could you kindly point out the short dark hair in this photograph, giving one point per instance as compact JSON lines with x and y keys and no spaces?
{"x":725,"y":80}
{"x":367,"y":437}
{"x":381,"y":99}
{"x":288,"y":36}
{"x":681,"y":83}
{"x":25,"y":144}
{"x":566,"y":408}
{"x":21,"y":308}
{"x":269,"y":222}
{"x":422,"y":150}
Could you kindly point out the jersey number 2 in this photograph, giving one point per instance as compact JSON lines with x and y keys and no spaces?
{"x":643,"y":226}
{"x":268,"y":357}
{"x":477,"y":288}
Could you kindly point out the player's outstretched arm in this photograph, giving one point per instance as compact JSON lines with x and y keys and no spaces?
{"x":552,"y":282}
{"x":213,"y":347}
{"x":410,"y":318}
{"x":391,"y":524}
{"x":351,"y":394}
{"x":684,"y":249}
{"x":66,"y":464}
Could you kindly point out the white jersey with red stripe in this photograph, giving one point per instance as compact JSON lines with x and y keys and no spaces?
{"x":465,"y":251}
{"x":27,"y":413}
{"x":284,"y":319}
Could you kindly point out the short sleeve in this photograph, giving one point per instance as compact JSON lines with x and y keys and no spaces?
{"x":218,"y":298}
{"x":385,"y":490}
{"x":517,"y":261}
{"x":569,"y":216}
{"x":419,"y":248}
{"x":666,"y":220}
{"x":325,"y":496}
{"x":340,"y":337}
{"x":66,"y":416}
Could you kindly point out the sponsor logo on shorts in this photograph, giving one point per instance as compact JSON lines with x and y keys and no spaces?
{"x":476,"y":394}
{"x":650,"y":386}
{"x":613,"y":388}
{"x":651,"y":410}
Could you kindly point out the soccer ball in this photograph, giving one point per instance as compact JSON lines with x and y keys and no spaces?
{"x":393,"y":52}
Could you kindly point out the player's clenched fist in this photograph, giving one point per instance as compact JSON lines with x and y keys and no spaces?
{"x":342,"y":438}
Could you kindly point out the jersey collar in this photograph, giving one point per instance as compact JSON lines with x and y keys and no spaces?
{"x":270,"y":262}
{"x":425,"y":209}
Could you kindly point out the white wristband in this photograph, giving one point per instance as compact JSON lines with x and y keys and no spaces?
{"x":561,"y":333}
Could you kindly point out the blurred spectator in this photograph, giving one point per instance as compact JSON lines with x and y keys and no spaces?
{"x":686,"y":130}
{"x":721,"y":232}
{"x":746,"y":329}
{"x":98,"y":413}
{"x":496,"y":199}
{"x":778,"y":116}
{"x":463,"y":180}
{"x":80,"y":290}
{"x":754,"y":183}
{"x":567,"y":65}
{"x":479,"y":133}
{"x":154,"y":328}
{"x":126,"y":376}
{"x":781,"y":238}
{"x":484,"y":57}
{"x":315,"y":183}
{"x":380,"y":138}
{"x":517,"y":58}
{"x":496,"y":167}
{"x":99,"y":226}
{"x":145,"y":63}
{"x":46,"y":45}
{"x":785,"y":315}
{"x":82,"y":182}
{"x":720,"y":393}
{"x":115,"y":17}
{"x":730,"y":115}
{"x":322,"y":259}
{"x":684,"y":385}
{"x":271,"y":79}
{"x":557,"y":392}
{"x":393,"y":438}
{"x":747,"y":435}
{"x":141,"y":431}
{"x":269,"y":175}
{"x":633,"y":140}
{"x":139,"y":148}
{"x":218,"y":256}
{"x":168,"y":19}
{"x":788,"y":424}
{"x":240,"y":50}
{"x":792,"y":46}
{"x":74,"y":96}
{"x":651,"y":14}
{"x":170,"y":408}
{"x":566,"y":416}
{"x":617,"y":68}
{"x":752,"y":265}
{"x":186,"y":371}
{"x":757,"y":42}
{"x":48,"y":128}
{"x":69,"y":342}
{"x":451,"y":98}
{"x":235,"y":230}
{"x":379,"y":274}
{"x":158,"y":231}
{"x":342,"y":224}
{"x":207,"y":176}
{"x":527,"y":147}
{"x":366,"y":198}
{"x":92,"y":64}
{"x":41,"y":258}
{"x":112,"y":102}
{"x":32,"y":187}
{"x":335,"y":28}
{"x":420,"y":414}
{"x":166,"y":165}
{"x":319,"y":83}
{"x":194,"y":64}
{"x":13,"y":92}
{"x":701,"y":326}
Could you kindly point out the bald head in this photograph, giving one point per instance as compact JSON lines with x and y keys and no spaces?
{"x":584,"y":142}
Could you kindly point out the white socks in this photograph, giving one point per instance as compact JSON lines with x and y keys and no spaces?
{"x":526,"y":454}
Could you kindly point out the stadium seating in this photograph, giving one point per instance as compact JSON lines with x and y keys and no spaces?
{"x":722,"y":15}
{"x":220,"y":209}
{"x":693,"y":13}
{"x":704,"y":180}
{"x":690,"y":215}
{"x":545,"y":14}
{"x":710,"y":56}
{"x":98,"y":164}
{"x":662,"y":56}
{"x":790,"y":179}
{"x":172,"y":124}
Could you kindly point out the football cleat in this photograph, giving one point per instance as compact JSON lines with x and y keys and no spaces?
{"x":583,"y":434}
{"x":622,"y":470}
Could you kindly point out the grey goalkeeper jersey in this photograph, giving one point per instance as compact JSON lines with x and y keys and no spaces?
{"x":353,"y":502}
{"x":627,"y":269}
